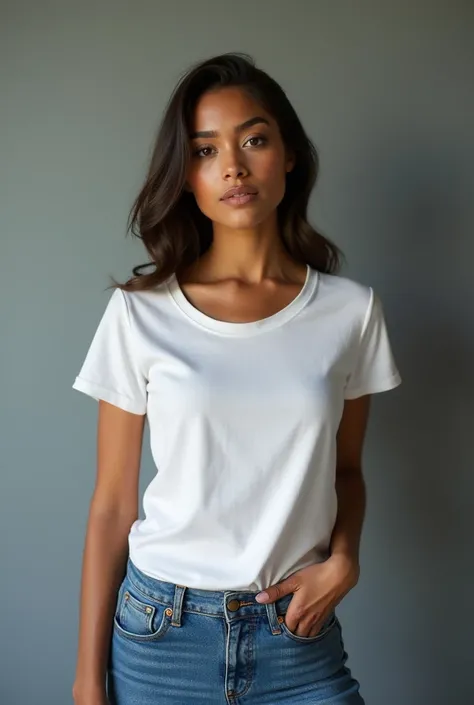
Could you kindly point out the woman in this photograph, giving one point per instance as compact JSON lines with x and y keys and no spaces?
{"x":254,"y":363}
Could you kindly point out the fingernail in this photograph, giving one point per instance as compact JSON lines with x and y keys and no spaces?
{"x":262,"y":597}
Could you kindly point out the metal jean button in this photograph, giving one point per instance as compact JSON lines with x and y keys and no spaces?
{"x":233,"y":605}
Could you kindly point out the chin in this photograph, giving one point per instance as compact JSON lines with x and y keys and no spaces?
{"x":241,"y":220}
{"x":243,"y":223}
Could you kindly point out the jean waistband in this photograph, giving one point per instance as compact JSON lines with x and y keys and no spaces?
{"x":229,"y":604}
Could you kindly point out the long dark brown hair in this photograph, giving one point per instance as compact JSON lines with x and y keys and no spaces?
{"x":166,"y":217}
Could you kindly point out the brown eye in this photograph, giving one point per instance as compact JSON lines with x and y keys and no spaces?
{"x":256,"y":141}
{"x":203,"y":152}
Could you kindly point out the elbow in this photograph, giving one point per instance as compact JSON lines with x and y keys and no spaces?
{"x":119,"y":512}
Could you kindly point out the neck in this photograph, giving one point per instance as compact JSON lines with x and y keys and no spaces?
{"x":249,"y":255}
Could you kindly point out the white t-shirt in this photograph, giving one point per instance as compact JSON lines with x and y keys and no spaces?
{"x":243,"y":420}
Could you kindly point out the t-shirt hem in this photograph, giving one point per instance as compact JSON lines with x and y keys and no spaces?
{"x":386,"y":385}
{"x":96,"y":391}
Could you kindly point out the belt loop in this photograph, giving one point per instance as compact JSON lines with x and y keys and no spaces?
{"x":179,"y":591}
{"x":273,"y":618}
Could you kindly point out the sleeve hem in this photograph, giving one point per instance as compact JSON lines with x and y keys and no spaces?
{"x":384,"y":386}
{"x":112,"y":397}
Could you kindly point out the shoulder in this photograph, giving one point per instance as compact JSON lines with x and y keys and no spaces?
{"x":345,"y":294}
{"x":137,"y":303}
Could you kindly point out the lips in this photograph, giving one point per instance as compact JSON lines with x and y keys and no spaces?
{"x":237,"y":191}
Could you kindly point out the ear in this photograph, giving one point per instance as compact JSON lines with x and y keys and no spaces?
{"x":290,"y":161}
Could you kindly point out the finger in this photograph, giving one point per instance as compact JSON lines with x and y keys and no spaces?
{"x":308,"y":625}
{"x":275,"y":592}
{"x":299,"y":623}
{"x":295,"y":616}
{"x":318,"y":625}
{"x":305,"y":628}
{"x":315,"y":629}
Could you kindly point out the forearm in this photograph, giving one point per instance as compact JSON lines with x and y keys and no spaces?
{"x":351,"y":498}
{"x":104,"y":564}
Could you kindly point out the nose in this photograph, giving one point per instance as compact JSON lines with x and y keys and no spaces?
{"x":234,"y":166}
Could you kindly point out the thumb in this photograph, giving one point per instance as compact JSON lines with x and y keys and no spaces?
{"x":275,"y":592}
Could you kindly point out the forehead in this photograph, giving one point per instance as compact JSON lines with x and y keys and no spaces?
{"x":226,"y":107}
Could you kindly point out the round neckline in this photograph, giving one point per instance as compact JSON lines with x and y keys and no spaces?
{"x":250,"y":327}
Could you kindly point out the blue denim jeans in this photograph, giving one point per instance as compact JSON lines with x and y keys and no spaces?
{"x":173,"y":645}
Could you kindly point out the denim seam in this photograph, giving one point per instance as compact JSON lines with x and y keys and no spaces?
{"x":249,"y":673}
{"x":156,"y":636}
{"x":148,"y":594}
{"x":305,"y":639}
{"x":170,"y":603}
{"x":206,"y":614}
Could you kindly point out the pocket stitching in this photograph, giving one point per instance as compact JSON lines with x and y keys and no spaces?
{"x":310,"y":639}
{"x":161,"y":631}
{"x":141,"y":607}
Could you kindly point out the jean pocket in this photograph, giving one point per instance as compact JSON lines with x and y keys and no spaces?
{"x":327,"y":626}
{"x":138,"y":616}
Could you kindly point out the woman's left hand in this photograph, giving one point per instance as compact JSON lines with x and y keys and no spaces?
{"x":317,"y":590}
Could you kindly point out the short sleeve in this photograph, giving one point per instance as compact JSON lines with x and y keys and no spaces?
{"x":111,"y":370}
{"x":374,"y":368}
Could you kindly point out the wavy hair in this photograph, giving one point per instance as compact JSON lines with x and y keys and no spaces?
{"x":165,"y":216}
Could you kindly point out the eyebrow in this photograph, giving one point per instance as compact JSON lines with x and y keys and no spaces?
{"x":208,"y":134}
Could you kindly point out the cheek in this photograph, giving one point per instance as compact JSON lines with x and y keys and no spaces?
{"x":271,"y":172}
{"x":202,"y":183}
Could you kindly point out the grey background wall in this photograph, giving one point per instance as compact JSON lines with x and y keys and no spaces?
{"x":385,"y":90}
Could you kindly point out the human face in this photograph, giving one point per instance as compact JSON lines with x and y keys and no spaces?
{"x":236,"y":143}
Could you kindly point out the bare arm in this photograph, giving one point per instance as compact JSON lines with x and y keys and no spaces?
{"x":350,"y":485}
{"x":113,"y":509}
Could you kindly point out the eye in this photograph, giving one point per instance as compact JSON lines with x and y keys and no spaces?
{"x":203,"y":151}
{"x":257,"y":141}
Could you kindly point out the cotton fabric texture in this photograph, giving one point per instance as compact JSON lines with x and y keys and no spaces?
{"x":243,"y":420}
